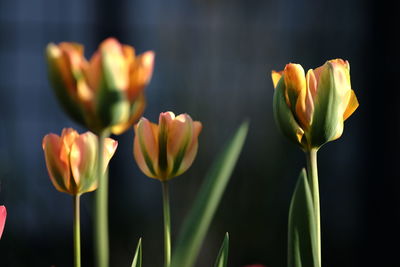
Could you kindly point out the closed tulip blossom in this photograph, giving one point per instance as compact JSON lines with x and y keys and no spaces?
{"x":168,"y":149}
{"x":311,"y":108}
{"x":3,"y":215}
{"x":106,"y":92}
{"x":71,"y":160}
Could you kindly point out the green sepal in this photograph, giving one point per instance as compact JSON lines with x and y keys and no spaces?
{"x":283,"y":115}
{"x":137,"y":259}
{"x":302,"y":234}
{"x":222,"y":258}
{"x":200,"y":216}
{"x":327,"y":122}
{"x":113,"y":106}
{"x":61,"y":91}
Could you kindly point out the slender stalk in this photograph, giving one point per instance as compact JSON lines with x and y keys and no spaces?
{"x":312,"y":171}
{"x":77,"y":232}
{"x":167,"y":225}
{"x":101,"y":210}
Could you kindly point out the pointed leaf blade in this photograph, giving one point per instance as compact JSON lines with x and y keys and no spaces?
{"x":302,"y":237}
{"x":199,"y":218}
{"x":222,"y":258}
{"x":137,"y":259}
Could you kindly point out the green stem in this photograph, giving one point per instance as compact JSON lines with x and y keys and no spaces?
{"x":167,"y":225}
{"x":101,"y":210}
{"x":312,"y":171}
{"x":77,"y":232}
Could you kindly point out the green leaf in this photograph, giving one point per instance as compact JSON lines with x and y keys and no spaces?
{"x":137,"y":259}
{"x":302,"y":237}
{"x":222,"y":258}
{"x":199,"y":218}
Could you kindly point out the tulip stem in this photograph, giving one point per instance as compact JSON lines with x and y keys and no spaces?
{"x":167,"y":225}
{"x":101,"y":209}
{"x":312,"y":170}
{"x":77,"y":231}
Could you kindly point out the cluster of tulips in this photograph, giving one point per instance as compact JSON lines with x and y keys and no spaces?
{"x":106,"y":95}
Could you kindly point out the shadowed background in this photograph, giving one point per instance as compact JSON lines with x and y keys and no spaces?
{"x":213,"y":61}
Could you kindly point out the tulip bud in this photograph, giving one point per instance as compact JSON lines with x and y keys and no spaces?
{"x":311,"y":109}
{"x":71,"y":160}
{"x":3,"y":215}
{"x":106,"y":92}
{"x":168,"y":149}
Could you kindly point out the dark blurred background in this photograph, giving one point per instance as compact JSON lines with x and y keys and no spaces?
{"x":213,"y":61}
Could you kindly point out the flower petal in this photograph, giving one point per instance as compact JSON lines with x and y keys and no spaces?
{"x":341,"y":71}
{"x":59,"y":170}
{"x":330,"y":106}
{"x":296,"y":92}
{"x":137,"y":110}
{"x":351,"y":106}
{"x":164,"y":158}
{"x":63,"y":81}
{"x":276,"y":76}
{"x":295,"y":83}
{"x":68,"y":137}
{"x":3,"y":215}
{"x":180,"y":133}
{"x":93,"y":72}
{"x":140,"y":74}
{"x":115,"y":67}
{"x":59,"y":62}
{"x":191,"y":151}
{"x":284,"y":116}
{"x":83,"y":158}
{"x":110,"y":146}
{"x":179,"y":139}
{"x":146,"y":147}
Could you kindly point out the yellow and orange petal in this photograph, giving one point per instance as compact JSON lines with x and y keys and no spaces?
{"x":83,"y":156}
{"x":276,"y":76}
{"x":110,"y":146}
{"x":191,"y":151}
{"x":140,"y":73}
{"x":174,"y":150}
{"x":146,"y":147}
{"x":180,"y":134}
{"x":113,"y":60}
{"x":59,"y":170}
{"x":72,"y":159}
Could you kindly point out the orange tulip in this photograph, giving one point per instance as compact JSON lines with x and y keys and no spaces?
{"x":311,"y":108}
{"x":3,"y":215}
{"x":71,"y":160}
{"x":168,"y":149}
{"x":106,"y":92}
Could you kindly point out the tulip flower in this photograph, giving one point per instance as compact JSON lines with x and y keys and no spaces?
{"x":106,"y":92}
{"x":168,"y":149}
{"x":164,"y":151}
{"x":311,"y":109}
{"x":74,"y":162}
{"x":3,"y":215}
{"x":71,"y":160}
